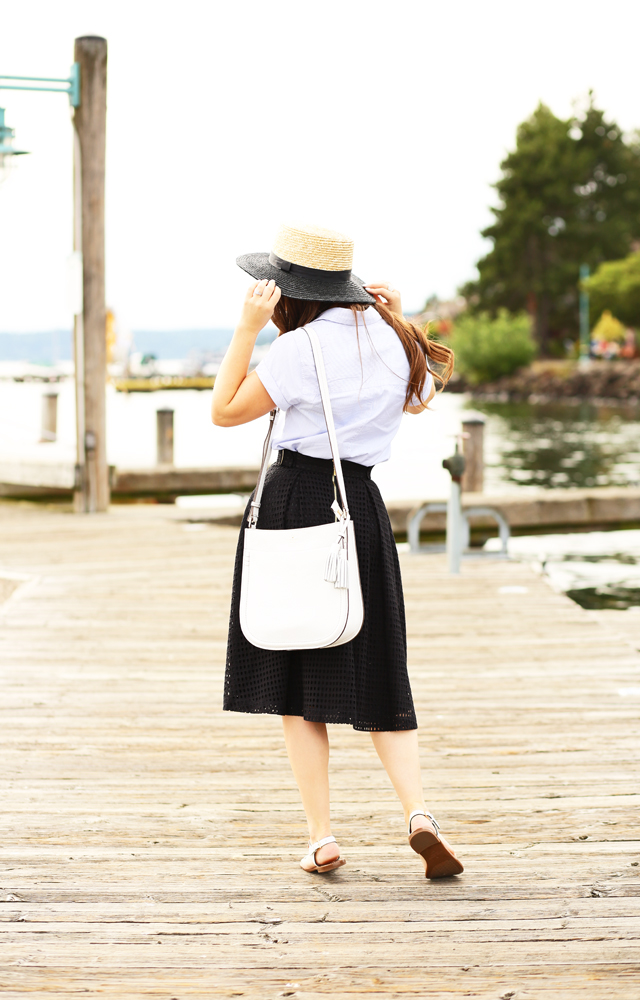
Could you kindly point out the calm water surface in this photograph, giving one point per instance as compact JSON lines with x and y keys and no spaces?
{"x":560,"y":445}
{"x":527,"y":447}
{"x":555,"y":445}
{"x":597,"y":569}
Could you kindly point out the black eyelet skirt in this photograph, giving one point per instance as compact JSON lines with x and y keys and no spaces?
{"x":363,"y":683}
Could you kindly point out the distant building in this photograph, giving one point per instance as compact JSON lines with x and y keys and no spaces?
{"x":440,"y":313}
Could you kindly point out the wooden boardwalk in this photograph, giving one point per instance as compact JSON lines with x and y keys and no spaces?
{"x":149,"y":843}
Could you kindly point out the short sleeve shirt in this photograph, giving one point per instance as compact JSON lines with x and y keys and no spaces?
{"x":367,"y":372}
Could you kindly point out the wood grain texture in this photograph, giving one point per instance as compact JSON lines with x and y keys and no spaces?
{"x":90,"y":124}
{"x":150,"y":842}
{"x":473,"y":451}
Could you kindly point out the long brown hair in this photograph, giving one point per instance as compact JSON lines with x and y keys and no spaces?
{"x":291,"y":314}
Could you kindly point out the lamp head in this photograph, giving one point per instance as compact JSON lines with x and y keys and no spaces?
{"x":7,"y":152}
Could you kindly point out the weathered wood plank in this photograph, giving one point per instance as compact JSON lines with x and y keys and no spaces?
{"x":150,"y":841}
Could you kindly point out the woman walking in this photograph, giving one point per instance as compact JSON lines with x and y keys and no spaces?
{"x":376,"y":369}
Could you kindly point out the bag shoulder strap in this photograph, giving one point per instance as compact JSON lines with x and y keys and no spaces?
{"x":254,"y":509}
{"x":328,"y":415}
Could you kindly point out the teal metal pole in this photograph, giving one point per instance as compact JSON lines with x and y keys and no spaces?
{"x":585,"y":332}
{"x":70,"y":84}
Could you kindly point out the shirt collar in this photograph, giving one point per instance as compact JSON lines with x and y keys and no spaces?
{"x":345,"y":316}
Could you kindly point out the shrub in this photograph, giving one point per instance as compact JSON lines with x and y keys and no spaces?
{"x":616,"y":286}
{"x":488,"y":348}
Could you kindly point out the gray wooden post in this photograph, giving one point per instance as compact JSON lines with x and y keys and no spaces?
{"x":49,"y":430}
{"x":89,"y":120}
{"x":473,"y":451}
{"x":165,"y":436}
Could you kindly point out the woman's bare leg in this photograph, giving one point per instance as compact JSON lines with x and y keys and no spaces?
{"x":399,"y":754}
{"x":308,"y":749}
{"x":401,"y":760}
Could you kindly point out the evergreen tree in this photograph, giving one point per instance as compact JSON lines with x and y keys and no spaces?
{"x":569,"y":195}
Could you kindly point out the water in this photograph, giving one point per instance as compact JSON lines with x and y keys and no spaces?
{"x":551,"y":445}
{"x":415,"y":470}
{"x":530,"y":446}
{"x":527,"y":447}
{"x":597,"y":569}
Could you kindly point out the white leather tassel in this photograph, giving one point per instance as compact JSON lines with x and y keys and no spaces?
{"x":342,"y":570}
{"x":336,"y":570}
{"x":331,"y":565}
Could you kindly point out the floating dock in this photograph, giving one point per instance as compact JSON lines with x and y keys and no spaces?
{"x":56,"y":482}
{"x":153,"y":383}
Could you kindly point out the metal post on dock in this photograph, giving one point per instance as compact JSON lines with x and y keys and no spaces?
{"x":473,"y":451}
{"x":165,"y":436}
{"x":49,"y":430}
{"x":455,"y":527}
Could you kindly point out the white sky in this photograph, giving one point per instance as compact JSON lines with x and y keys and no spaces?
{"x":385,"y":120}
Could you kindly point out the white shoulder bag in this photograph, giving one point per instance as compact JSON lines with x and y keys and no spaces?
{"x":301,"y":587}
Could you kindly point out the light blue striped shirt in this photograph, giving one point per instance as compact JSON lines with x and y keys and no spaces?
{"x":367,"y":371}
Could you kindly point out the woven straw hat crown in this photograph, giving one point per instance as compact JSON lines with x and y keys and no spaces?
{"x":312,"y":246}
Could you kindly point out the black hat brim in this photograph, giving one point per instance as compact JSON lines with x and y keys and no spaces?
{"x":305,"y":286}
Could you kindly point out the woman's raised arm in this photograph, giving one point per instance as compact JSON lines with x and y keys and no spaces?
{"x":239,"y":397}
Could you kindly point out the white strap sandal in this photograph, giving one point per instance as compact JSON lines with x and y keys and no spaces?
{"x":438,"y":856}
{"x":309,"y":863}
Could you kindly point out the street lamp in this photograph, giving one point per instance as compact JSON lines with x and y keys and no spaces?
{"x":86,"y":87}
{"x":7,"y":152}
{"x":62,"y":85}
{"x":585,"y":334}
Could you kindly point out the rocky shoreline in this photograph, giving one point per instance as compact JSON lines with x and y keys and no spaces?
{"x":547,"y":381}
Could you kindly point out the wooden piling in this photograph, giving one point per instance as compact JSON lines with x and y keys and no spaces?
{"x":165,"y":436}
{"x":473,"y":451}
{"x":49,"y":430}
{"x":89,"y":121}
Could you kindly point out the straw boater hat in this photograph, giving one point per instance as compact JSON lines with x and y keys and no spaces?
{"x":309,"y":263}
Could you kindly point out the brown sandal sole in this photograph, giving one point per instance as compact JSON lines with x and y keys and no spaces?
{"x":338,"y":863}
{"x":421,"y":840}
{"x":439,"y":860}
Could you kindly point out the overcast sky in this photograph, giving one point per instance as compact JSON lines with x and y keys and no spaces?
{"x":387,"y":121}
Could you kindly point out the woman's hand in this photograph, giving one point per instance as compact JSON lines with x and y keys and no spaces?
{"x":259,"y":303}
{"x":384,"y":293}
{"x":238,"y":396}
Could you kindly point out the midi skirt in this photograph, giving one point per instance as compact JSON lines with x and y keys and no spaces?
{"x":363,"y":683}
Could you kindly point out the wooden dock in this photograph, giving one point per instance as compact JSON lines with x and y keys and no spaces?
{"x":599,"y":508}
{"x":20,"y":481}
{"x":149,"y":843}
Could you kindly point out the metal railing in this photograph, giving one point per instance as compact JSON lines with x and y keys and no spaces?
{"x":458,"y":518}
{"x":460,"y":540}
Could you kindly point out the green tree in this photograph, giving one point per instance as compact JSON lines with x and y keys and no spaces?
{"x":616,"y":286}
{"x":569,"y":194}
{"x":487,"y":348}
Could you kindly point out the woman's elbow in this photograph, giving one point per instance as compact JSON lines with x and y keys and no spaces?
{"x":220,"y":418}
